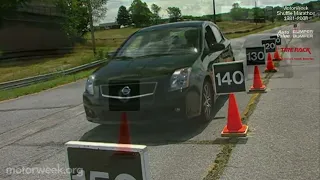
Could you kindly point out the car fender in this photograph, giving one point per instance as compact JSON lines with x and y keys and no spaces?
{"x":197,"y":77}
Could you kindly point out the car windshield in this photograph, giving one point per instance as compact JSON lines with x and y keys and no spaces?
{"x":171,"y":41}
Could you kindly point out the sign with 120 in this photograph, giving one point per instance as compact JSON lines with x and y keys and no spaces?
{"x":103,"y":161}
{"x":278,"y":39}
{"x":269,"y":44}
{"x":255,"y":55}
{"x":229,"y":77}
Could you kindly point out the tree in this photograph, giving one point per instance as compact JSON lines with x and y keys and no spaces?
{"x":123,"y":17}
{"x":155,"y":13}
{"x":77,"y":15}
{"x":238,"y":13}
{"x":99,"y":9}
{"x":174,"y":14}
{"x":235,"y":5}
{"x":140,"y":13}
{"x":275,"y":10}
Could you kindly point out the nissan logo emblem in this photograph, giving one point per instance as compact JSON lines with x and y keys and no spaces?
{"x":126,"y":90}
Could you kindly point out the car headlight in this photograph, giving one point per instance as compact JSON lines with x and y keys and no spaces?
{"x":180,"y":79}
{"x":89,"y":85}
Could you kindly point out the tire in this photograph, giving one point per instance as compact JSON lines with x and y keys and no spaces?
{"x":207,"y":102}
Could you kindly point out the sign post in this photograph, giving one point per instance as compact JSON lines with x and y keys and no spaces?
{"x":229,"y":77}
{"x":93,"y":161}
{"x":269,"y":44}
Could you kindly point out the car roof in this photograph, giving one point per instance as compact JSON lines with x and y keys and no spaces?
{"x":174,"y":25}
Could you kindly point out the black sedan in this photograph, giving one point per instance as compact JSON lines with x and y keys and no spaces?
{"x":162,"y":68}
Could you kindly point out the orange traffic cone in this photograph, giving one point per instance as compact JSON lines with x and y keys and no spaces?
{"x":258,"y":85}
{"x":270,"y":66}
{"x":234,"y":127}
{"x":124,"y":136}
{"x":277,"y":56}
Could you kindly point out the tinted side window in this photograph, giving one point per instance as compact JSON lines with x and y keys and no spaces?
{"x":217,"y":34}
{"x":209,"y":36}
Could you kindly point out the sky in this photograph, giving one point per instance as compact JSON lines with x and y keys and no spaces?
{"x":193,"y":7}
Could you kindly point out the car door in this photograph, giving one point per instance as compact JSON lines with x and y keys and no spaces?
{"x":226,"y":55}
{"x":213,"y":57}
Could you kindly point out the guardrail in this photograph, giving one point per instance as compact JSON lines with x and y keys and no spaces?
{"x":36,"y":79}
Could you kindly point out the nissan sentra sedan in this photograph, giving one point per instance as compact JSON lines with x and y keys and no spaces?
{"x":159,"y":69}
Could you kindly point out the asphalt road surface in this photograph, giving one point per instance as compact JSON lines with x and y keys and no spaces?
{"x":34,"y":129}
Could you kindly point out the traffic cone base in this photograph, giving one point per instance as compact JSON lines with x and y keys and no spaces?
{"x":261,"y":89}
{"x":271,"y":70}
{"x":242,"y":132}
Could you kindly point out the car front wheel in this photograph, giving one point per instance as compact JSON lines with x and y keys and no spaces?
{"x":207,"y":102}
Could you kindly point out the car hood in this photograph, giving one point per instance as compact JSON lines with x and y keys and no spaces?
{"x":139,"y":68}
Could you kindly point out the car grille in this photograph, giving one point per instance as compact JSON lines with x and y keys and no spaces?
{"x":137,"y":90}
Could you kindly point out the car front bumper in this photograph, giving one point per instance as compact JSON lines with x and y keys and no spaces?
{"x":158,"y":105}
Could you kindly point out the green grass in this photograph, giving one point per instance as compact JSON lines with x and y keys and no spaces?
{"x":113,"y":38}
{"x":269,"y":26}
{"x":21,"y":69}
{"x":113,"y":33}
{"x":14,"y":93}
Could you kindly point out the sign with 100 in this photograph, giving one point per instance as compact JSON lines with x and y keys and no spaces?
{"x":269,"y":45}
{"x":255,"y":56}
{"x":229,"y":77}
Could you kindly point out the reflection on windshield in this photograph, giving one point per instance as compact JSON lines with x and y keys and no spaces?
{"x":162,"y":42}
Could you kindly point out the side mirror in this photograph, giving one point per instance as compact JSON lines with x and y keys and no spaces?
{"x":217,"y":47}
